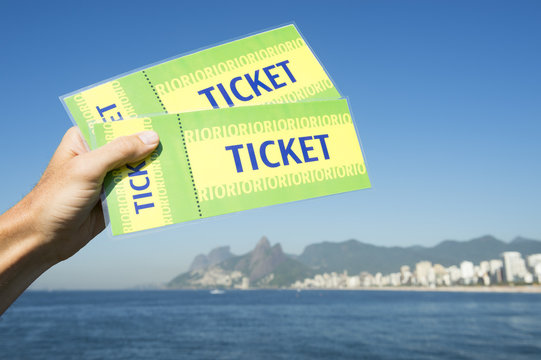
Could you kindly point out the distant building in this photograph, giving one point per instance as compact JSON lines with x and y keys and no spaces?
{"x":454,"y":274}
{"x":495,"y":265}
{"x":537,"y":272}
{"x":484,"y":268}
{"x":395,"y":279}
{"x":533,"y":260}
{"x":405,"y":275}
{"x":424,"y":273}
{"x":366,"y":279}
{"x":377,"y":279}
{"x":440,"y":274}
{"x":467,"y":272}
{"x":245,"y":283}
{"x":514,"y":266}
{"x":354,"y":282}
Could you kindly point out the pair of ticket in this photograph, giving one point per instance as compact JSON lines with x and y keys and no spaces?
{"x":249,"y":123}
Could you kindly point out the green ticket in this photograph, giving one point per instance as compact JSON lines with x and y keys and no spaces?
{"x":215,"y":162}
{"x":276,"y":66}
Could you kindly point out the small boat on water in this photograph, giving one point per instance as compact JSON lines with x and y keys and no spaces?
{"x":217,"y":292}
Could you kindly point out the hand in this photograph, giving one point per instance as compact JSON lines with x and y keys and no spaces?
{"x":62,"y":213}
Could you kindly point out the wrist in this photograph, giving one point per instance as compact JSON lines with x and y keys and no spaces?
{"x":23,"y":253}
{"x":21,"y":238}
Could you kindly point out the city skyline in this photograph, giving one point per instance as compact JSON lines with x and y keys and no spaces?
{"x":511,"y":269}
{"x":221,"y":268}
{"x":484,"y":261}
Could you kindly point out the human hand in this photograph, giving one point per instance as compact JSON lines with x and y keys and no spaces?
{"x":62,"y":213}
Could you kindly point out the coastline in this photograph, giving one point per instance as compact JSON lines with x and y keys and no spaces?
{"x":522,"y":289}
{"x":531,"y":289}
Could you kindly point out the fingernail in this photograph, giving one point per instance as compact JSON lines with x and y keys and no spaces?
{"x":149,"y":137}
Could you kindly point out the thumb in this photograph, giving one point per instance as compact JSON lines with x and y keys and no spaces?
{"x":122,"y":150}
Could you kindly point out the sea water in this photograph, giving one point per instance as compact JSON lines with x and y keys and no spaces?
{"x":271,"y":324}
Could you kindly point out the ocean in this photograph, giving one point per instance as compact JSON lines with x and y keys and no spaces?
{"x":271,"y":324}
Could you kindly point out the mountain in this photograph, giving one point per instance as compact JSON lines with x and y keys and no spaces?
{"x":525,"y":246}
{"x":214,"y":257}
{"x":264,"y":266}
{"x":355,"y":256}
{"x":259,"y":262}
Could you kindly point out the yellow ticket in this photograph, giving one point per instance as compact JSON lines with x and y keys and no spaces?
{"x":214,"y":162}
{"x":275,"y":66}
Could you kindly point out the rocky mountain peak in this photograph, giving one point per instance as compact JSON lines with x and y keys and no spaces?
{"x":200,"y":262}
{"x":263,"y":243}
{"x":218,"y":255}
{"x":277,"y":248}
{"x":265,"y":258}
{"x":265,"y":266}
{"x":260,"y":251}
{"x":214,"y":257}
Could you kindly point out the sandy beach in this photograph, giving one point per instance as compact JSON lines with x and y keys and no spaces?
{"x":533,"y":289}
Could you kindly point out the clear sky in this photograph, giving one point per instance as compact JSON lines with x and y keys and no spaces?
{"x":446,"y":97}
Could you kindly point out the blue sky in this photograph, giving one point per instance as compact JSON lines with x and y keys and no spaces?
{"x":446,"y":96}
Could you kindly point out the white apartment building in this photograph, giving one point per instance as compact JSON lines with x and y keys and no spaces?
{"x":495,"y":266}
{"x":514,"y":266}
{"x":533,"y":260}
{"x":424,"y":273}
{"x":467,"y":271}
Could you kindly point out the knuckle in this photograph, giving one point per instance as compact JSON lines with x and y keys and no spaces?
{"x":125,"y":146}
{"x":76,"y":167}
{"x":70,"y":134}
{"x":72,"y":131}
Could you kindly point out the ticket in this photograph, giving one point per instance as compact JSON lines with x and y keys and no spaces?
{"x":276,"y":66}
{"x":214,"y":162}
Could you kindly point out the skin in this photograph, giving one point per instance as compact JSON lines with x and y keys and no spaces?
{"x":63,"y":212}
